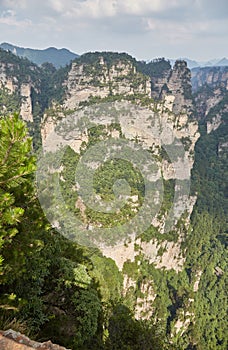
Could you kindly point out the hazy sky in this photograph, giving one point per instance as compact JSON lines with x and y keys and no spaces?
{"x":197,"y":29}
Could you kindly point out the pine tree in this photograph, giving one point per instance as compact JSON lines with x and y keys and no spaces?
{"x":16,"y":166}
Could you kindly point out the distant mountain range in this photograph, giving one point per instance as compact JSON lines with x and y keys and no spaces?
{"x":219,"y":62}
{"x":61,"y":57}
{"x":58,"y":57}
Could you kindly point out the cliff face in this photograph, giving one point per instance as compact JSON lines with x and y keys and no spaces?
{"x":175,"y":82}
{"x":155,"y":114}
{"x":212,"y":76}
{"x":26,"y":102}
{"x":11,"y":340}
{"x":155,"y":125}
{"x":20,"y":91}
{"x":179,"y":84}
{"x":9,"y":83}
{"x":211,"y":95}
{"x":125,"y":97}
{"x":99,"y":80}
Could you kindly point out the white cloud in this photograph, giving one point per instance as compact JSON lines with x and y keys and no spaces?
{"x":14,"y":4}
{"x":57,"y":5}
{"x":94,"y":9}
{"x":111,"y":8}
{"x":145,"y":7}
{"x":9,"y":18}
{"x":143,"y":26}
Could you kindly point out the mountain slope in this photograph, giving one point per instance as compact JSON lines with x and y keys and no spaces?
{"x":173,"y":278}
{"x":58,"y":57}
{"x":212,"y":63}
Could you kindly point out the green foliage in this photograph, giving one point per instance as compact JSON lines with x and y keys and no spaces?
{"x":109,"y":279}
{"x":9,"y":102}
{"x":87,"y":306}
{"x":47,"y":81}
{"x":52,"y":288}
{"x":97,"y":99}
{"x":206,"y":254}
{"x":127,"y":333}
{"x":19,"y":67}
{"x":155,"y":68}
{"x":150,"y":233}
{"x":52,"y":84}
{"x":116,"y":169}
{"x":40,"y":268}
{"x":206,"y":242}
{"x":210,"y":170}
{"x":110,"y":58}
{"x":16,"y":165}
{"x":136,"y":98}
{"x":104,"y":180}
{"x":131,"y":269}
{"x":168,"y":195}
{"x":69,"y":161}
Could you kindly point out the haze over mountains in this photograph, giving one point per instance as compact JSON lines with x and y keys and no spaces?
{"x":219,"y":62}
{"x":58,"y":57}
{"x":160,"y":289}
{"x":62,"y":57}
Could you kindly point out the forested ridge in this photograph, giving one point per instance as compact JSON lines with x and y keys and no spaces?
{"x":53,"y":288}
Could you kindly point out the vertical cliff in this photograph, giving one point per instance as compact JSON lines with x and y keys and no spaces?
{"x":130,"y":125}
{"x":210,"y":76}
{"x":18,"y":78}
{"x":101,"y":79}
{"x":210,"y":86}
{"x":174,"y":82}
{"x":112,"y":92}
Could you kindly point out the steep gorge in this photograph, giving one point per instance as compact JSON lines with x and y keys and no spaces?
{"x":159,"y":114}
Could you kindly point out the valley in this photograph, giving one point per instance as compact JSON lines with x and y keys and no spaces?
{"x":113,"y":196}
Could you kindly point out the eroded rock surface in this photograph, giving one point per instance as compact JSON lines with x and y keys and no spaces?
{"x":11,"y":340}
{"x":85,"y":81}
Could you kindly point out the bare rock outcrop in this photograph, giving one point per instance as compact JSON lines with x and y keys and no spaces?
{"x":152,"y":128}
{"x":155,"y":125}
{"x":179,"y":84}
{"x":10,"y":83}
{"x":11,"y":340}
{"x":99,"y":80}
{"x":211,"y":76}
{"x":176,"y":83}
{"x":26,"y":103}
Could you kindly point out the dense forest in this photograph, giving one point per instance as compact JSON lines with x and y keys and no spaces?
{"x":54,"y":288}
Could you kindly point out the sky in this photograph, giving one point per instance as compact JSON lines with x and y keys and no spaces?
{"x":146,"y":29}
